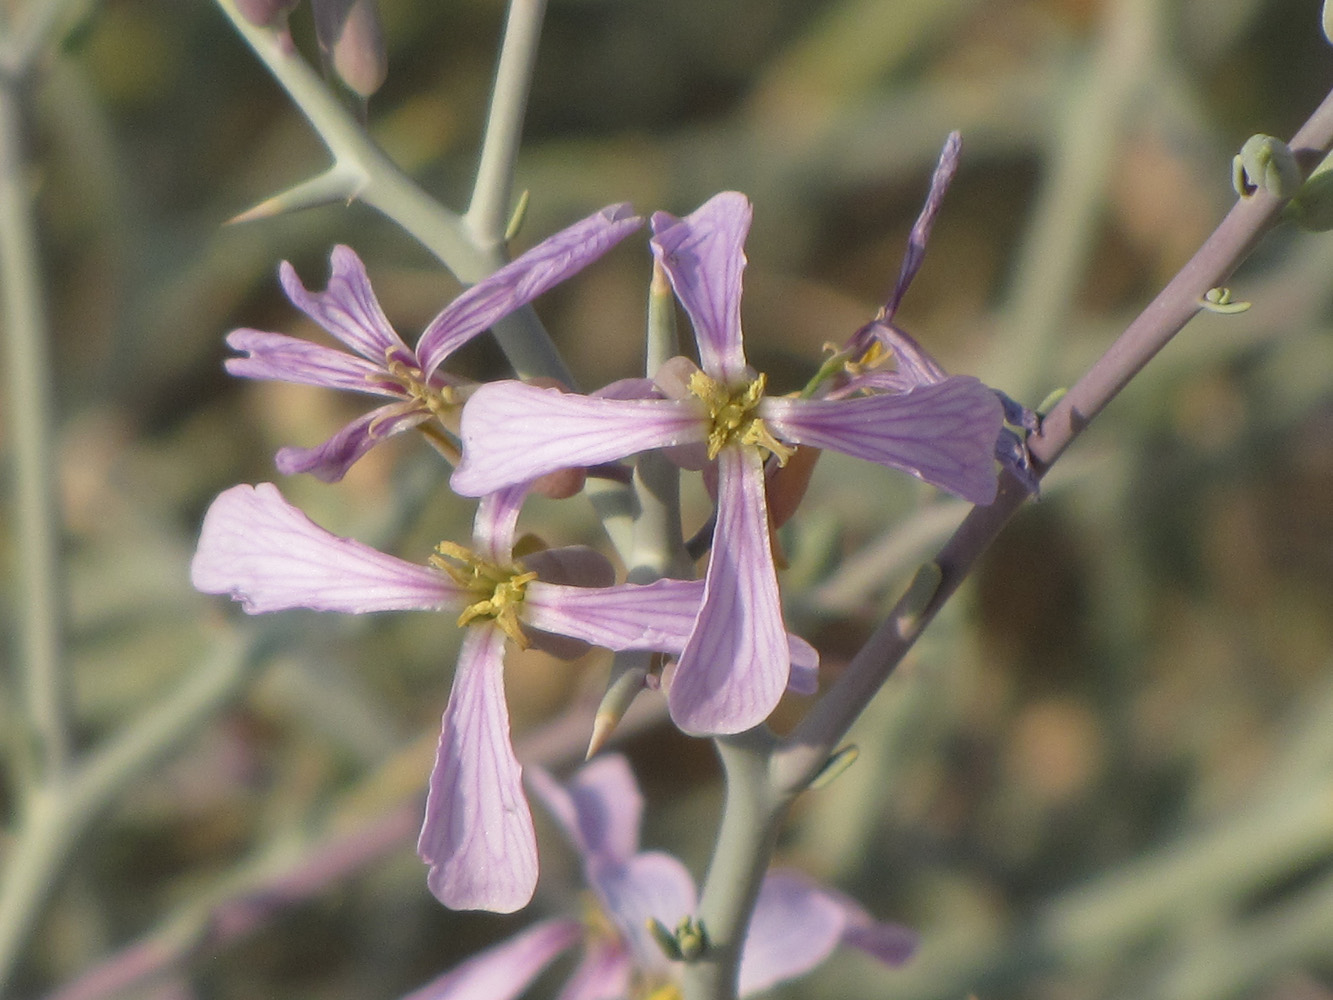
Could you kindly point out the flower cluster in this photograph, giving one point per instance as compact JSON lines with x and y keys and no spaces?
{"x":796,"y":924}
{"x":731,"y":656}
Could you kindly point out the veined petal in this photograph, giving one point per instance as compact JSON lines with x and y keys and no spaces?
{"x":656,"y":616}
{"x":599,"y":808}
{"x":604,"y":972}
{"x":925,"y":222}
{"x":513,"y":432}
{"x":477,"y":836}
{"x":268,"y":555}
{"x":330,"y":461}
{"x":795,"y":927}
{"x":649,"y":885}
{"x":943,"y":433}
{"x":704,"y":256}
{"x":495,"y":522}
{"x":348,"y":308}
{"x":522,"y":280}
{"x":735,"y":665}
{"x":502,"y":972}
{"x":291,"y":359}
{"x":804,"y":677}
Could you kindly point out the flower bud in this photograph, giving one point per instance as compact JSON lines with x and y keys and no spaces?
{"x":1312,"y":208}
{"x":351,"y":39}
{"x":1268,"y":163}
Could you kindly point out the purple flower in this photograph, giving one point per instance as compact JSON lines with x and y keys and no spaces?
{"x":477,"y":836}
{"x":881,"y":339}
{"x":796,"y":924}
{"x":731,"y":672}
{"x":381,"y":364}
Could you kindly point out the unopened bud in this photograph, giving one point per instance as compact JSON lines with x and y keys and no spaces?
{"x":1312,"y":208}
{"x":352,"y":40}
{"x":1268,"y":163}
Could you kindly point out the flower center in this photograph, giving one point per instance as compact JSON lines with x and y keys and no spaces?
{"x":732,"y":416}
{"x":497,"y":590}
{"x":439,"y":400}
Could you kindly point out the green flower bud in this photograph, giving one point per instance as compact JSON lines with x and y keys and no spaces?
{"x":1268,"y":163}
{"x":1312,"y":208}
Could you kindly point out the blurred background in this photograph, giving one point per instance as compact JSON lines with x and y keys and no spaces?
{"x":1107,"y":769}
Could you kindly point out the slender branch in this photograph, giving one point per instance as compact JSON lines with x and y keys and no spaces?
{"x":376,"y":180}
{"x":31,"y":424}
{"x":487,"y":216}
{"x":1228,"y":246}
{"x":60,"y":815}
{"x":751,"y":818}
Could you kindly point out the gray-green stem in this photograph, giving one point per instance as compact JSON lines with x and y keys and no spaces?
{"x":28,"y":375}
{"x":487,"y":216}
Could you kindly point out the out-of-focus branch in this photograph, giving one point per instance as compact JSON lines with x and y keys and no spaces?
{"x":291,"y":873}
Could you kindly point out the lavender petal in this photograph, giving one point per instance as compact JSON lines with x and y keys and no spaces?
{"x":599,"y":808}
{"x":330,"y":461}
{"x":522,"y":280}
{"x":291,"y":359}
{"x":504,"y":971}
{"x":477,"y":836}
{"x":736,"y":663}
{"x":795,"y":927}
{"x":347,"y":308}
{"x":704,"y":257}
{"x":513,"y":432}
{"x":656,"y":616}
{"x":268,"y":555}
{"x":944,"y":434}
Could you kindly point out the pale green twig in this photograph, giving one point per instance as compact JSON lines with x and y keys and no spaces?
{"x":28,"y":375}
{"x":488,"y":215}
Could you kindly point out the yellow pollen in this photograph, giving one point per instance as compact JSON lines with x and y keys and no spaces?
{"x":440,"y":401}
{"x":498,"y":590}
{"x":732,"y":418}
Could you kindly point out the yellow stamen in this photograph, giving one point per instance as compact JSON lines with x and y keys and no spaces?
{"x":731,"y":416}
{"x":499,"y":589}
{"x":440,"y":401}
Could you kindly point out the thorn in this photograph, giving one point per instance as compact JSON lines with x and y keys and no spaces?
{"x":920,"y":592}
{"x":837,"y":763}
{"x":337,"y":184}
{"x":520,"y":213}
{"x":629,"y":676}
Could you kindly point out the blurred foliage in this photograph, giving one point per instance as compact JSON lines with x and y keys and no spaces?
{"x":1107,"y":772}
